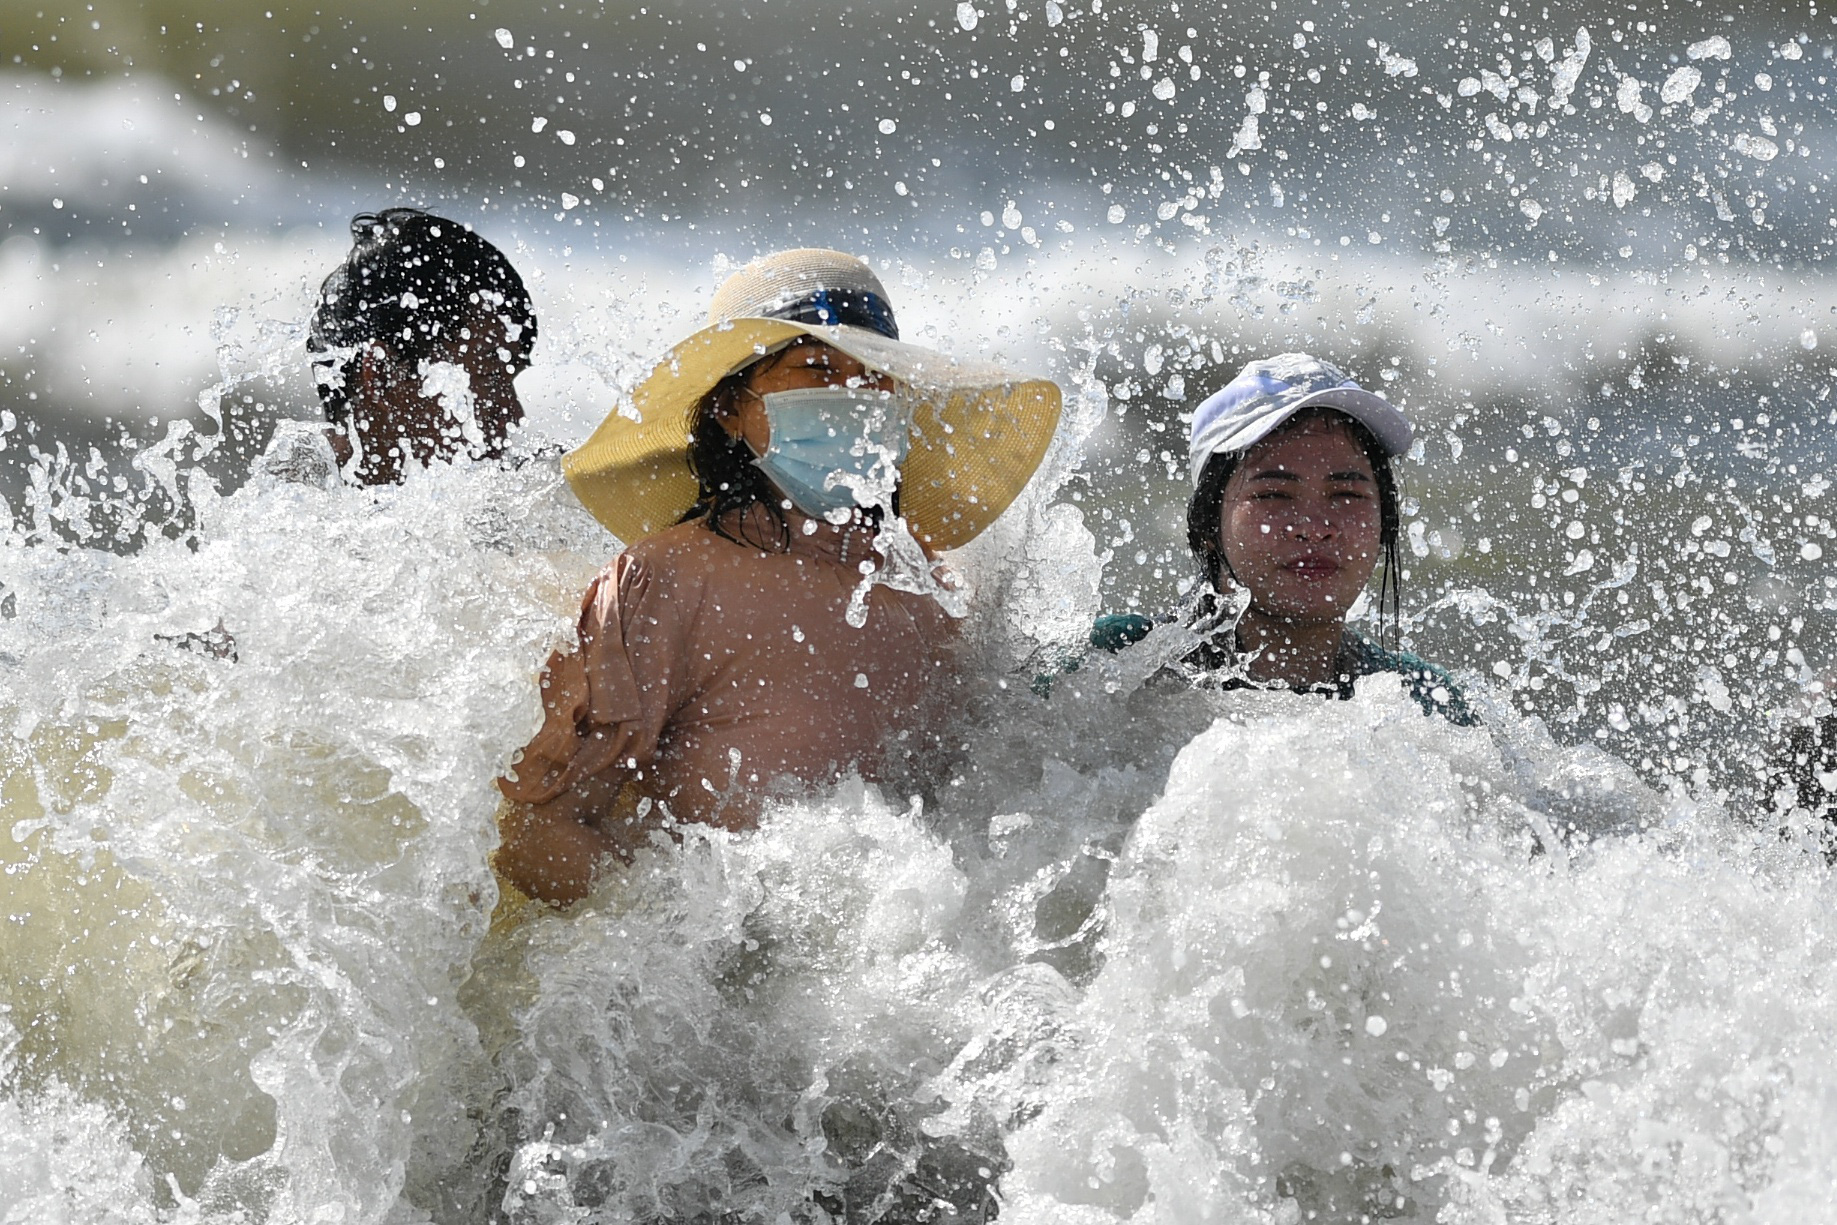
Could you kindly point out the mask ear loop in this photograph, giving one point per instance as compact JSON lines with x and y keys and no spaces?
{"x":730,"y":412}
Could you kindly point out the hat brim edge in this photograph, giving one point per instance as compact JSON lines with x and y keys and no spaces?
{"x":651,"y":450}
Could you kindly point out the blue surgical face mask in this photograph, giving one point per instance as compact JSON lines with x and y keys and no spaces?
{"x":836,"y":448}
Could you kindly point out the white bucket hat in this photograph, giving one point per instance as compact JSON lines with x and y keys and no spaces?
{"x":1266,"y":393}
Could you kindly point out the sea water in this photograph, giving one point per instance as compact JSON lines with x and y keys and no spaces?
{"x":1135,"y":951}
{"x":1131,"y":951}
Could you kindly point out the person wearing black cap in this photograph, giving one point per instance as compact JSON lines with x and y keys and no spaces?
{"x":415,"y":344}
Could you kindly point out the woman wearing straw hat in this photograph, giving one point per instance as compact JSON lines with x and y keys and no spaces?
{"x":784,"y":480}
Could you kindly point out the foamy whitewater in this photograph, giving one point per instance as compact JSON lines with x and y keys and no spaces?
{"x":1142,"y":954}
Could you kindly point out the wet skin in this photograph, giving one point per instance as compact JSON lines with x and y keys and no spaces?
{"x":1300,"y":530}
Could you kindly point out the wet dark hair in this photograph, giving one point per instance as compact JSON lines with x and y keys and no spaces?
{"x":410,"y":276}
{"x":1206,"y":507}
{"x":730,"y":483}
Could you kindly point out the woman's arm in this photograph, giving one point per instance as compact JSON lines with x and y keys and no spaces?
{"x":604,"y":708}
{"x":555,"y":851}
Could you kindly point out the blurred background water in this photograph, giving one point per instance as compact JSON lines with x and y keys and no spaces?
{"x":1587,"y":249}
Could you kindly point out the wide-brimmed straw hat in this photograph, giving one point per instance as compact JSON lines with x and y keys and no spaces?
{"x":978,"y":432}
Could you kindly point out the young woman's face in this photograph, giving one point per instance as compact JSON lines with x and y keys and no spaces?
{"x":1301,"y":525}
{"x":808,"y":363}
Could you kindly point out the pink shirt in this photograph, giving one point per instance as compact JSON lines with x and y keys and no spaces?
{"x":708,"y":670}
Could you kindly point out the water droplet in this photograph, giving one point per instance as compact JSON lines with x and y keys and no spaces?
{"x":1716,"y":48}
{"x":888,"y":127}
{"x":504,"y":39}
{"x":1680,"y":85}
{"x":1757,"y":147}
{"x":967,"y":16}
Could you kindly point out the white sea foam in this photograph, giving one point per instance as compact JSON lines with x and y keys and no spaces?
{"x":246,"y":855}
{"x":250,"y":957}
{"x":1599,"y":1023}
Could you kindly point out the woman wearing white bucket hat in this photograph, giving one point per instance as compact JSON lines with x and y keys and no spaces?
{"x":765,"y":480}
{"x":1294,"y":503}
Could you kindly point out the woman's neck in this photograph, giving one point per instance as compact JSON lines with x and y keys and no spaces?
{"x":1290,"y":652}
